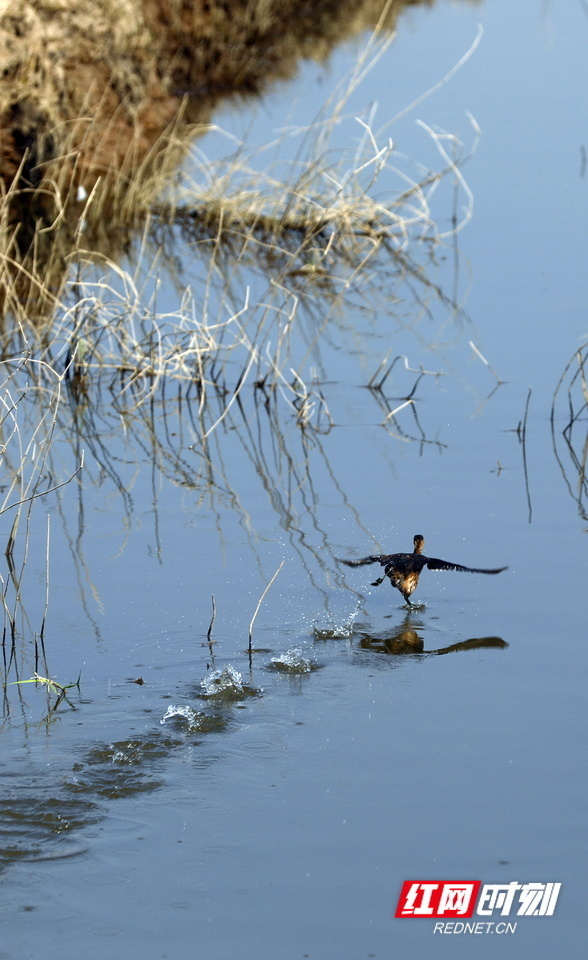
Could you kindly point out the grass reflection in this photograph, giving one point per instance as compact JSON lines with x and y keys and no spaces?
{"x":570,"y":444}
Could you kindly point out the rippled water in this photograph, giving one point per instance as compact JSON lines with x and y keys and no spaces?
{"x":261,"y":778}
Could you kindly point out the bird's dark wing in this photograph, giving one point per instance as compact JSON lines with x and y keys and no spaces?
{"x":383,"y":558}
{"x":359,"y":563}
{"x":403,"y":563}
{"x":434,"y":564}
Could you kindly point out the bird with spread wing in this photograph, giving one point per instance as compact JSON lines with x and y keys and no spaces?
{"x":404,"y":569}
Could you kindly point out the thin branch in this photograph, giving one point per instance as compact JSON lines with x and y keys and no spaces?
{"x":42,"y":631}
{"x":44,"y":493}
{"x":209,"y":639}
{"x":484,"y":361}
{"x":261,"y":599}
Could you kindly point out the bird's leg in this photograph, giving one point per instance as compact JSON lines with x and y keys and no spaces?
{"x":377,"y":582}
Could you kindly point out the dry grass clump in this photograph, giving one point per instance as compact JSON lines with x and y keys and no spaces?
{"x":107,"y":96}
{"x":280,"y":260}
{"x":272,"y":261}
{"x":89,"y":88}
{"x":275,"y":254}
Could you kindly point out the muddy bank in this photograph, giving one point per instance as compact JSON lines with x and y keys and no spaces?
{"x":105,"y":79}
{"x":106,"y":95}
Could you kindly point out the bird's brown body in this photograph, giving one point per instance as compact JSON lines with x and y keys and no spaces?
{"x":404,"y":569}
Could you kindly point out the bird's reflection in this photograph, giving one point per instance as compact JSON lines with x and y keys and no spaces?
{"x":407,"y":638}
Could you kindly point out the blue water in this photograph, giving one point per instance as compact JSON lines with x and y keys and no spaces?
{"x":283,"y":821}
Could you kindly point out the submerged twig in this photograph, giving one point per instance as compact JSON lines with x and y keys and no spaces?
{"x":209,"y":639}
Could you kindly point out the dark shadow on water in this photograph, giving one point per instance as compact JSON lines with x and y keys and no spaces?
{"x":47,"y":821}
{"x":37,"y":824}
{"x":408,"y":638}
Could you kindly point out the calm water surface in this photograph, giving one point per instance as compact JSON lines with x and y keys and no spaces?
{"x":280,"y":815}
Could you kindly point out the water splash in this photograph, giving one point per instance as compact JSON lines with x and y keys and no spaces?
{"x":175,"y":711}
{"x":337,"y":629}
{"x":293,"y":661}
{"x":226,"y":683}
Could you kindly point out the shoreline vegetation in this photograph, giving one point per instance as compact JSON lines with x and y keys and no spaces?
{"x":93,"y":87}
{"x":100,"y":105}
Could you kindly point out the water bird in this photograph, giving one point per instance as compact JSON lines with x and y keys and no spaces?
{"x":404,"y":569}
